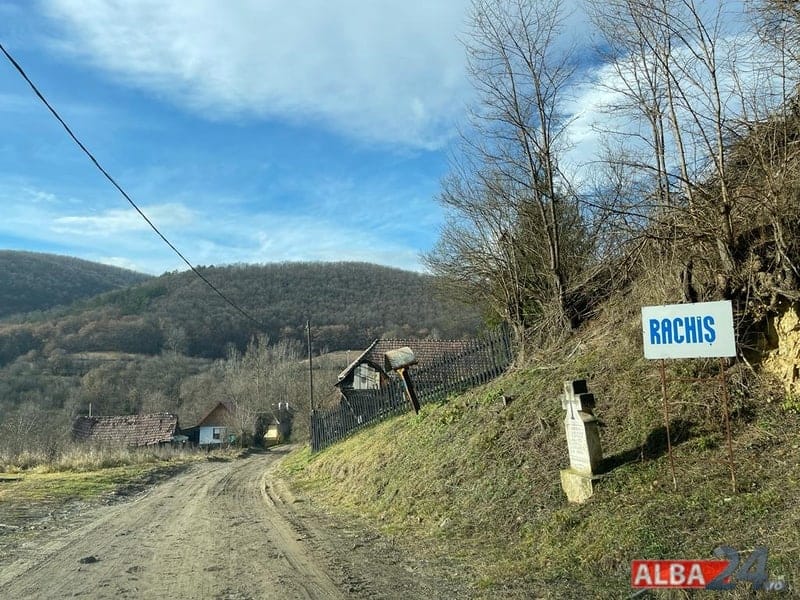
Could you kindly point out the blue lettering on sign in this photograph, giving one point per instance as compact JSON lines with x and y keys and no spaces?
{"x":683,"y":330}
{"x":666,"y":331}
{"x":708,"y":326}
{"x":692,"y":328}
{"x":677,"y":325}
{"x":655,"y":332}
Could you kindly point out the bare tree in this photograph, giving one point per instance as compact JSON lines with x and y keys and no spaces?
{"x":510,"y":203}
{"x":239,"y":389}
{"x":678,"y":66}
{"x":767,"y":175}
{"x":263,"y":378}
{"x":475,"y":253}
{"x":19,"y":428}
{"x":778,"y":25}
{"x":637,"y":83}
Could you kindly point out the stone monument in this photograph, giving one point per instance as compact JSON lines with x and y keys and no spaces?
{"x":583,"y":442}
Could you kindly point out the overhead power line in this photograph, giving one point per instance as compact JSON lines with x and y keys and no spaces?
{"x":125,"y":195}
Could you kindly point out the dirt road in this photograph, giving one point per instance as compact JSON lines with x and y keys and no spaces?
{"x":224,"y":530}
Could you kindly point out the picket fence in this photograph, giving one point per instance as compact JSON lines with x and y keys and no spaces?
{"x":481,"y":361}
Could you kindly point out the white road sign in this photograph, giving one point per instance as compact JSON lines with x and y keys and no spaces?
{"x":702,"y":329}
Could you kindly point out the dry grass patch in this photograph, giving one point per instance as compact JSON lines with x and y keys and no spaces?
{"x":84,"y":457}
{"x":79,"y":485}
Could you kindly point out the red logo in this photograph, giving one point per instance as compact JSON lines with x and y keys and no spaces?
{"x":675,"y":574}
{"x":724,"y":573}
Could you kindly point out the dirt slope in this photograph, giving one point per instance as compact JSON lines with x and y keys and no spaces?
{"x":219,"y":530}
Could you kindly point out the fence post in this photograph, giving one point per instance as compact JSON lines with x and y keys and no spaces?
{"x":478,"y":363}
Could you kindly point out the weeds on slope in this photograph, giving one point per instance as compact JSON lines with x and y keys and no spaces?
{"x":477,"y":478}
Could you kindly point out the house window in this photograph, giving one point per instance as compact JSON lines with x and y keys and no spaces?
{"x":366,"y":378}
{"x":216,"y":433}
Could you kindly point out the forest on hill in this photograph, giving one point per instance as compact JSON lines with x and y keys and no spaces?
{"x":171,"y":344}
{"x":349,"y":304}
{"x":31,"y":281}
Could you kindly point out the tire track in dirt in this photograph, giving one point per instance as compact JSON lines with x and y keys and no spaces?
{"x":206,"y":533}
{"x":223,"y":531}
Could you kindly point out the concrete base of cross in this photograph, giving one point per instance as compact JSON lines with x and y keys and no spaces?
{"x":577,"y":486}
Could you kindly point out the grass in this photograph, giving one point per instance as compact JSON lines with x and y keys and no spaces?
{"x":75,"y":485}
{"x":30,"y":482}
{"x":83,"y":457}
{"x":475,"y":480}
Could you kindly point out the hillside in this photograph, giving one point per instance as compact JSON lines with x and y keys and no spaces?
{"x":154,"y":346}
{"x":32,"y":281}
{"x":475,"y":481}
{"x":349,"y":304}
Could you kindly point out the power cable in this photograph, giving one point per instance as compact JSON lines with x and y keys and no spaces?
{"x":123,"y":192}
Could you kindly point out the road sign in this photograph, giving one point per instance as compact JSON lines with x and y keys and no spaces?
{"x":699,"y":330}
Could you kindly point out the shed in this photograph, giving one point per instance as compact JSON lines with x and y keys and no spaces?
{"x":367,"y":371}
{"x":126,"y":430}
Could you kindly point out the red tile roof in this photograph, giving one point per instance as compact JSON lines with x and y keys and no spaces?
{"x":126,"y":430}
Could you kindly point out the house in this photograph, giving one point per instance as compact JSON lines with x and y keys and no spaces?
{"x":219,"y":426}
{"x":127,"y":430}
{"x":367,"y":371}
{"x":276,"y":427}
{"x":215,"y":428}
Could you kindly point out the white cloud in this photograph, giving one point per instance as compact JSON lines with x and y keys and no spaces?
{"x":296,"y":239}
{"x":39,"y":196}
{"x":116,"y":221}
{"x":749,"y":89}
{"x":389,"y":71}
{"x":202,"y":237}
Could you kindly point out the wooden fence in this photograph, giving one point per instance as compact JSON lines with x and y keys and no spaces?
{"x":480,"y":362}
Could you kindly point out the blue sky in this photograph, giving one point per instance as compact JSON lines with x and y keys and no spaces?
{"x":252,"y":131}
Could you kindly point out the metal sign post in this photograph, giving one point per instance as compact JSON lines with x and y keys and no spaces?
{"x":725,"y":402}
{"x":699,"y":330}
{"x":663,"y":369}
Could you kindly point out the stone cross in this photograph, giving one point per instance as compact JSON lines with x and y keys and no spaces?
{"x":583,"y":440}
{"x":576,"y":398}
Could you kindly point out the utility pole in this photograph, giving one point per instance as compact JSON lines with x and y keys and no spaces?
{"x":310,"y":367}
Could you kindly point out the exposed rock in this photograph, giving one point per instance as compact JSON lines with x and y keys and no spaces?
{"x":784,"y":360}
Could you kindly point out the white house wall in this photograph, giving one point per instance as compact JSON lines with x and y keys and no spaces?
{"x":207,"y":435}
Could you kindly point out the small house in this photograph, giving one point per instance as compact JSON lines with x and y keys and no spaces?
{"x":127,"y":430}
{"x":361,"y":384}
{"x":273,"y":435}
{"x":277,"y":426}
{"x":215,"y":428}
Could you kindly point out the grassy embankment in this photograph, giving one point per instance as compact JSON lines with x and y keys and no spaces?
{"x":477,"y":480}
